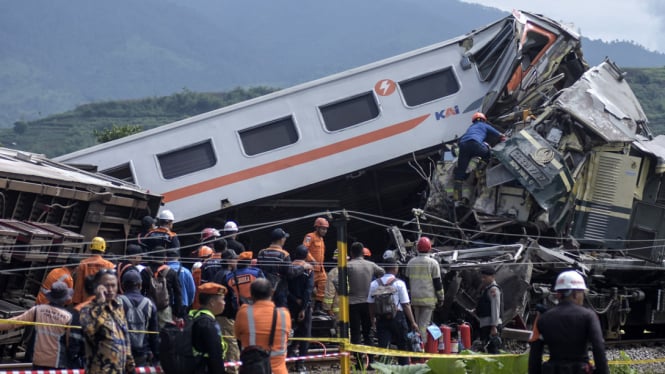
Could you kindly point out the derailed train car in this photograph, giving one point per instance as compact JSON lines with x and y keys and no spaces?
{"x":48,"y":212}
{"x":578,"y":184}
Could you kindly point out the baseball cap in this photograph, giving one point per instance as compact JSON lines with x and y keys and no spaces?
{"x":278,"y":233}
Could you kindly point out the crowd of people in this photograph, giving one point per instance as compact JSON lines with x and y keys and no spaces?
{"x":104,"y":316}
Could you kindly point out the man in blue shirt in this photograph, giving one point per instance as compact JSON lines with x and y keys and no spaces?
{"x":185,"y":278}
{"x":472,"y":144}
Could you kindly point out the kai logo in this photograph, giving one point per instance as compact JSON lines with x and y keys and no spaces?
{"x":445,"y":113}
{"x":385,"y":87}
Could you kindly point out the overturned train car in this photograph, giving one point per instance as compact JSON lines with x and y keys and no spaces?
{"x":49,"y":211}
{"x":578,"y":184}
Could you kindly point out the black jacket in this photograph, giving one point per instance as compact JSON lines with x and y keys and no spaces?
{"x":207,"y":339}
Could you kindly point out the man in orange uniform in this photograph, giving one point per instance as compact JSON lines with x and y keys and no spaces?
{"x":259,"y":314}
{"x":90,"y":266}
{"x":61,"y":274}
{"x":317,"y":252}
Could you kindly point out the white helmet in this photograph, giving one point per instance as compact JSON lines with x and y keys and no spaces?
{"x":166,"y":215}
{"x":570,"y":280}
{"x":231,"y":226}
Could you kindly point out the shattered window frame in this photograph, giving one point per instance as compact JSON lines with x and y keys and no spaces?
{"x":187,"y":160}
{"x":269,"y":136}
{"x":491,"y":55}
{"x":429,"y":87}
{"x":349,"y":112}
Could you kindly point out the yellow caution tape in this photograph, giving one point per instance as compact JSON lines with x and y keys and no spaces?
{"x":30,"y":323}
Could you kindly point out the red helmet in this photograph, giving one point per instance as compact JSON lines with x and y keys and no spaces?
{"x":478,"y":116}
{"x":367,"y":252}
{"x":208,"y":233}
{"x":424,"y":245}
{"x":321,"y":222}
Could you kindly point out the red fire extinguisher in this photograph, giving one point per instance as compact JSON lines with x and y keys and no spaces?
{"x":447,"y":346}
{"x":465,"y":332}
{"x":432,"y":345}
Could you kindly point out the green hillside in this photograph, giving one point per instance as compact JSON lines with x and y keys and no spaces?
{"x":70,"y":131}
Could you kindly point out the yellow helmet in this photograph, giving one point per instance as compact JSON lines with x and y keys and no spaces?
{"x":98,"y":244}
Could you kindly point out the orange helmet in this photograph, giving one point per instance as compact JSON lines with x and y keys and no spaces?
{"x":424,"y":245}
{"x":203,"y":252}
{"x":321,"y":222}
{"x":367,"y":252}
{"x":478,"y":116}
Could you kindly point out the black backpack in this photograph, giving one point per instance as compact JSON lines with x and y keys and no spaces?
{"x":176,"y":352}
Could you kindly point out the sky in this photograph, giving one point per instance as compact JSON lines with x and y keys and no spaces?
{"x":642,"y":21}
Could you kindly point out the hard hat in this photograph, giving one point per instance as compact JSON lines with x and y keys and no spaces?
{"x":424,"y":245}
{"x":231,"y":226}
{"x":166,"y":215}
{"x":208,"y":233}
{"x":570,"y":280}
{"x":478,"y":116}
{"x":321,"y":222}
{"x":203,"y":252}
{"x":98,"y":244}
{"x":367,"y":252}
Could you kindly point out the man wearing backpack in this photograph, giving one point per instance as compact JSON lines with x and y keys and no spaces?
{"x":185,"y":278}
{"x":390,"y":315}
{"x":161,"y":285}
{"x":141,"y":315}
{"x":254,"y":324}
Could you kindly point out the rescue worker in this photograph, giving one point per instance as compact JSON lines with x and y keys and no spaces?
{"x":226,"y":320}
{"x":202,"y":253}
{"x":424,"y":279}
{"x":330,"y":296}
{"x":257,"y":318}
{"x":131,"y":262}
{"x":239,"y":280}
{"x":314,"y":241}
{"x":60,"y":274}
{"x":146,"y":353}
{"x":206,"y":332}
{"x":566,"y":329}
{"x":300,"y":308}
{"x":231,"y":233}
{"x":473,"y":144}
{"x":489,"y":309}
{"x":90,"y":266}
{"x":276,"y":265}
{"x":163,"y":234}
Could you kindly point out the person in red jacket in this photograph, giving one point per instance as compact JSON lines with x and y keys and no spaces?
{"x":317,"y":252}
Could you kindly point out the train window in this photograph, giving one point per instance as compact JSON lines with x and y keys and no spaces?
{"x":269,"y":136}
{"x":349,"y":112}
{"x":187,"y":160}
{"x":429,"y":87}
{"x":122,"y":172}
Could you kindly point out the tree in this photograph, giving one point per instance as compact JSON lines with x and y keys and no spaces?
{"x":116,"y":132}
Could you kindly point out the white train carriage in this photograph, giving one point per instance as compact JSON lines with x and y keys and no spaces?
{"x":342,"y":123}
